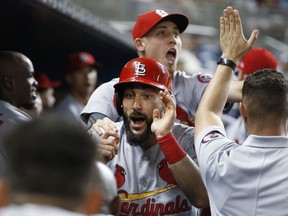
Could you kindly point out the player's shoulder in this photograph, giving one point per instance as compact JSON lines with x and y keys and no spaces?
{"x":109,"y":84}
{"x":112,"y":81}
{"x":180,"y":129}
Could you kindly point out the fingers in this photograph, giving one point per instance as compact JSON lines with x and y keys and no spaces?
{"x":167,"y":99}
{"x":238,"y":23}
{"x":107,"y":148}
{"x":253,"y":38}
{"x":156,"y":114}
{"x":102,"y":125}
{"x":109,"y":134}
{"x":222,"y":26}
{"x":230,"y":20}
{"x":232,"y":40}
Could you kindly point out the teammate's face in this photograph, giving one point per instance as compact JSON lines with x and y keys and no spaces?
{"x":162,"y":43}
{"x":83,"y":81}
{"x":26,"y":85}
{"x":48,"y":98}
{"x":138,"y":106}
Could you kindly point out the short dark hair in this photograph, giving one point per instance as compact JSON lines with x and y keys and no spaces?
{"x":50,"y":156}
{"x":265,"y":93}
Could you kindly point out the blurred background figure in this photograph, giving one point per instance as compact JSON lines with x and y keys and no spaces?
{"x":81,"y":76}
{"x":255,"y":59}
{"x":46,"y":90}
{"x":111,"y":199}
{"x":50,"y":170}
{"x":18,"y":88}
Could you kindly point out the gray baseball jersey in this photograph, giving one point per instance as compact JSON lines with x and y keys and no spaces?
{"x":36,"y":210}
{"x":187,"y":91}
{"x":70,"y":108}
{"x":247,"y":179}
{"x":144,"y":180}
{"x":9,"y":116}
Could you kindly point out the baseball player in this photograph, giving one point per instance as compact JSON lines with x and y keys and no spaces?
{"x":252,"y":174}
{"x":81,"y":75}
{"x":156,"y":35}
{"x":46,"y":88}
{"x":18,"y":89}
{"x":155,"y":162}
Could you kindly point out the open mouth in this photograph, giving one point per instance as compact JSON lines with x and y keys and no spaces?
{"x":138,"y":120}
{"x":171,"y":55}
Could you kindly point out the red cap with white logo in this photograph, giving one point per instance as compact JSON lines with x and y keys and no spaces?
{"x":147,"y":21}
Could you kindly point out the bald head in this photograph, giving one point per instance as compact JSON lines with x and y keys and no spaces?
{"x":12,"y":63}
{"x":17,"y":83}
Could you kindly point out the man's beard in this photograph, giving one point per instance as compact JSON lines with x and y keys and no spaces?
{"x":30,"y":105}
{"x":138,"y":139}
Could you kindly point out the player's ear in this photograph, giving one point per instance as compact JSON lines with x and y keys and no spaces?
{"x":139,"y":44}
{"x":7,"y":83}
{"x":118,"y":103}
{"x":243,"y":111}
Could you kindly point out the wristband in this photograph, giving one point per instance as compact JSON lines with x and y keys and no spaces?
{"x":227,"y":62}
{"x":171,"y":149}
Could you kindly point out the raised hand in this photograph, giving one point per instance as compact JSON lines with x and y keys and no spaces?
{"x":163,"y":122}
{"x":232,"y":40}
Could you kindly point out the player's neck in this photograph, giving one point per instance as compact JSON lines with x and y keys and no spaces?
{"x":149,"y":142}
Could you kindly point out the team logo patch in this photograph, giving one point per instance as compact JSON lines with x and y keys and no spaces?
{"x":84,"y":58}
{"x":140,"y":69}
{"x":165,"y":173}
{"x":161,"y":13}
{"x":204,"y":78}
{"x":210,"y":136}
{"x":120,"y":175}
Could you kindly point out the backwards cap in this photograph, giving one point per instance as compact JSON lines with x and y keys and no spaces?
{"x":147,"y":21}
{"x":144,"y":71}
{"x":257,"y":59}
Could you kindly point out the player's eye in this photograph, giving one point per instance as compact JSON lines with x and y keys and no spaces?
{"x":128,"y":95}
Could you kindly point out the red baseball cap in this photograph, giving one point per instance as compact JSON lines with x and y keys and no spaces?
{"x":80,"y":60}
{"x":44,"y":81}
{"x":147,"y":21}
{"x":257,"y":59}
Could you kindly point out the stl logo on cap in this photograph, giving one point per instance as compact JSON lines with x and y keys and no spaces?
{"x":161,"y":13}
{"x":140,"y":69}
{"x":84,"y":58}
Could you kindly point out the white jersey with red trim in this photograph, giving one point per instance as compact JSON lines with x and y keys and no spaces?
{"x":144,"y":180}
{"x":187,"y":91}
{"x":253,"y":174}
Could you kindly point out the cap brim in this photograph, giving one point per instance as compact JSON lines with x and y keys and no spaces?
{"x":53,"y":84}
{"x":180,"y":20}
